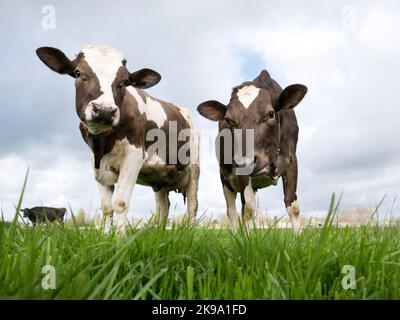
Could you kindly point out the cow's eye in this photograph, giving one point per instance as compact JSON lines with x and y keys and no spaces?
{"x":271,"y":115}
{"x":77,"y":73}
{"x":127,"y":83}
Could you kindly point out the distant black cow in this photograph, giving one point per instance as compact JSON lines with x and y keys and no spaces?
{"x":42,"y":214}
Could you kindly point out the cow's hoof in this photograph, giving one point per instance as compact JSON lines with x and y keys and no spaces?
{"x":107,"y":229}
{"x":121,"y":233}
{"x":294,"y":209}
{"x":296,"y":224}
{"x":119,"y":206}
{"x":248,"y":213}
{"x":297,"y":229}
{"x":234,"y":228}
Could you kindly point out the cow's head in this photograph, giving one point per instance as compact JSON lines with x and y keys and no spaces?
{"x":101,"y":78}
{"x":62,"y":211}
{"x":26,"y":212}
{"x":255,"y":105}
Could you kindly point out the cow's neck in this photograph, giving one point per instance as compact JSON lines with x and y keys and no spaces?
{"x":280,"y":131}
{"x":98,"y":146}
{"x":97,"y":143}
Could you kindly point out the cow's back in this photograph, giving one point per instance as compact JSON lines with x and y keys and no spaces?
{"x":41,"y":214}
{"x":170,"y":172}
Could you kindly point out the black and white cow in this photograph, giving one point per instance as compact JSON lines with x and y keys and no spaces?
{"x":264,"y":109}
{"x":119,"y":123}
{"x":42,"y":214}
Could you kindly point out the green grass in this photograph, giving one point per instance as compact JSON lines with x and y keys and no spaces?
{"x":193,"y":263}
{"x":187,"y":262}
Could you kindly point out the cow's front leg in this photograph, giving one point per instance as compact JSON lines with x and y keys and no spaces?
{"x":162,"y":205}
{"x":191,"y":192}
{"x":106,"y":193}
{"x":230,"y":198}
{"x":128,"y":173}
{"x":289,"y":189}
{"x":248,"y":202}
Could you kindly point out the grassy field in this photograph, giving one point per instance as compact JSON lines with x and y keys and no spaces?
{"x":193,"y":263}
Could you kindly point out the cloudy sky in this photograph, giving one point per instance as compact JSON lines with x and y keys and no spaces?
{"x":346,"y":52}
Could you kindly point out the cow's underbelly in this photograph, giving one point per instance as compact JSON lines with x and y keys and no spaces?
{"x":263,"y":182}
{"x":163,"y":176}
{"x":257,"y":182}
{"x":154,"y":174}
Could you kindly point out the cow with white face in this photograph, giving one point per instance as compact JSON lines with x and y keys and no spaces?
{"x":259,"y":115}
{"x":120,"y":123}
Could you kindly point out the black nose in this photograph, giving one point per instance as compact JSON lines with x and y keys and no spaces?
{"x":103,"y":114}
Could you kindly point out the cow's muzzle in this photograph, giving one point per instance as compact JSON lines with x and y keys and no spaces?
{"x":266,"y":171}
{"x":103,"y":115}
{"x":244,"y":165}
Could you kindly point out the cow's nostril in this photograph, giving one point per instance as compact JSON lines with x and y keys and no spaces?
{"x":113,"y":112}
{"x":95,"y":108}
{"x":255,"y":159}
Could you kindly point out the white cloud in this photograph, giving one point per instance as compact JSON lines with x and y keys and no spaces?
{"x":348,"y":120}
{"x":378,"y":31}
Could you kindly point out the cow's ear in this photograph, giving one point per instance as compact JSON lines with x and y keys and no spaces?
{"x":56,"y":60}
{"x":144,"y":78}
{"x":291,"y":96}
{"x":212,"y":110}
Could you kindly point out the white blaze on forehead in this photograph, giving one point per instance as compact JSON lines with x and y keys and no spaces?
{"x":152,"y":108}
{"x":247,"y":95}
{"x":104,"y":62}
